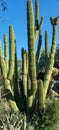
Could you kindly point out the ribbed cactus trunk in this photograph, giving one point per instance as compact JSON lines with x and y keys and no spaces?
{"x":32,"y":57}
{"x":31,"y":45}
{"x":49,"y":67}
{"x":0,"y":57}
{"x":11,"y":52}
{"x":10,"y":96}
{"x":15,"y":79}
{"x":33,"y":29}
{"x":24,"y":71}
{"x":38,"y":53}
{"x":6,"y":52}
{"x":5,"y":46}
{"x":46,"y":46}
{"x":37,"y":12}
{"x":0,"y":49}
{"x":40,"y":96}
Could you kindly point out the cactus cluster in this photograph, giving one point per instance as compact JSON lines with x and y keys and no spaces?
{"x":40,"y":86}
{"x":30,"y":94}
{"x":8,"y":65}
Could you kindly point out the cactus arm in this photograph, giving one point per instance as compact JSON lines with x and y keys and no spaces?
{"x":3,"y":68}
{"x":55,"y":71}
{"x":29,"y":103}
{"x":38,"y":53}
{"x":41,"y":22}
{"x":10,"y":96}
{"x":40,"y":96}
{"x":24,"y":72}
{"x":0,"y":49}
{"x":11,"y":52}
{"x":6,"y":52}
{"x":37,"y":12}
{"x":15,"y":80}
{"x":37,"y":24}
{"x":5,"y":46}
{"x":54,"y":21}
{"x":51,"y":62}
{"x":46,"y":45}
{"x":46,"y":48}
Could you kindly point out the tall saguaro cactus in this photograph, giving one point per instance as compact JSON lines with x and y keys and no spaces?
{"x":31,"y":44}
{"x":31,"y":41}
{"x":33,"y":29}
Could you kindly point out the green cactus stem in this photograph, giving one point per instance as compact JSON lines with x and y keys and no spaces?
{"x":5,"y":46}
{"x":31,"y":45}
{"x":8,"y":77}
{"x":38,"y":53}
{"x":3,"y":68}
{"x":24,"y":71}
{"x":37,"y":24}
{"x":29,"y":104}
{"x":40,"y":96}
{"x":6,"y":52}
{"x":37,"y":12}
{"x":0,"y":48}
{"x":49,"y":68}
{"x":10,"y":96}
{"x":15,"y":80}
{"x":46,"y":46}
{"x":11,"y":52}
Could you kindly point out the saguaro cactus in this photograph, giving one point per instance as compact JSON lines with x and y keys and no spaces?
{"x":31,"y":42}
{"x":31,"y":45}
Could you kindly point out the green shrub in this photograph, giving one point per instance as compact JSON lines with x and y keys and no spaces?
{"x":49,"y":119}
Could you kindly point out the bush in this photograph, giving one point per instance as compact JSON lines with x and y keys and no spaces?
{"x":49,"y":120}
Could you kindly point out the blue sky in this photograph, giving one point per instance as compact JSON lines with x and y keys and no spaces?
{"x":16,"y":16}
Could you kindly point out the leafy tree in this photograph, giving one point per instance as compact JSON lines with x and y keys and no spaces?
{"x":3,"y":5}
